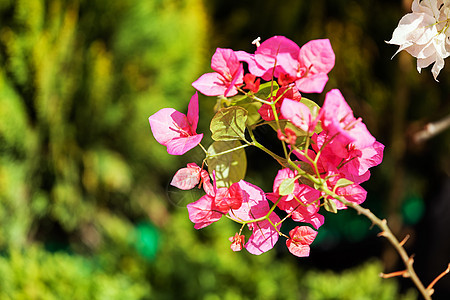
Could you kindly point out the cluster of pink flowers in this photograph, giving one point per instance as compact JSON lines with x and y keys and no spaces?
{"x":340,"y":154}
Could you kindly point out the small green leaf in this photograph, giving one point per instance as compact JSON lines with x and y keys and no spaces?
{"x":230,"y":167}
{"x":253,"y":114}
{"x":343,"y":182}
{"x":330,"y":205}
{"x":264,"y":90}
{"x":229,"y":124}
{"x":287,"y":186}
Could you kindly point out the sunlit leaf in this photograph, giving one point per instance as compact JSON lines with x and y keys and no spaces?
{"x":343,"y":182}
{"x":287,"y":186}
{"x":229,"y":167}
{"x":229,"y":124}
{"x":330,"y":205}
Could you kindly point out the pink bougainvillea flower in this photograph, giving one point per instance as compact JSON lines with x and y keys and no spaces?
{"x":264,"y":235}
{"x":300,"y":203}
{"x":356,"y":166}
{"x":203,"y":212}
{"x":175,"y":130}
{"x":315,"y":60}
{"x":289,"y":135}
{"x":216,"y":203}
{"x":299,"y":114}
{"x":188,"y":178}
{"x":352,"y":192}
{"x":285,"y":92}
{"x":251,"y":83}
{"x":280,"y":57}
{"x":229,"y":74}
{"x":337,"y":118}
{"x":276,"y":52}
{"x":237,"y":241}
{"x":300,"y":239}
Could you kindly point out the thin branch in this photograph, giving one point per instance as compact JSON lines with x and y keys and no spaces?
{"x":387,"y":233}
{"x":432,"y":129}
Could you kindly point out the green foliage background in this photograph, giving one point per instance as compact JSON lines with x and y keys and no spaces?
{"x":85,"y":207}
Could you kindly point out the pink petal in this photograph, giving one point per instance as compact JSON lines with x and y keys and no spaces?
{"x":253,"y":67}
{"x":192,"y":113}
{"x":303,"y":234}
{"x":166,"y":124}
{"x":202,"y":213}
{"x":225,"y":62}
{"x":181,"y":145}
{"x":298,"y":113}
{"x":210,"y":84}
{"x":317,"y":56}
{"x":264,"y":236}
{"x":353,"y":193}
{"x":297,"y":249}
{"x":278,"y":50}
{"x":313,"y":83}
{"x":186,"y":178}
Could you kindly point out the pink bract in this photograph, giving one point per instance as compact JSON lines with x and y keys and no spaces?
{"x":229,"y":74}
{"x":337,"y":118}
{"x":175,"y":130}
{"x":285,"y":92}
{"x":237,"y":241}
{"x":264,"y":235}
{"x":187,"y":178}
{"x":315,"y":60}
{"x":299,"y":114}
{"x":203,"y":212}
{"x":300,"y":239}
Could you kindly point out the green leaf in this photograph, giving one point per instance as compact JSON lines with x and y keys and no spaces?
{"x":230,"y":167}
{"x":343,"y":182}
{"x":229,"y":124}
{"x":265,"y":88}
{"x":287,"y":186}
{"x":253,"y":114}
{"x":330,"y":205}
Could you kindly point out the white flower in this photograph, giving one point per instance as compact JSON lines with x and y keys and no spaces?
{"x":423,"y":34}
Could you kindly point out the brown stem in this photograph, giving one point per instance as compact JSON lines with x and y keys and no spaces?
{"x":387,"y":233}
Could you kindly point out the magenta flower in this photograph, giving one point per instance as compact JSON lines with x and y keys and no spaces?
{"x":277,"y":52}
{"x":203,"y":212}
{"x":300,"y":239}
{"x":188,"y":178}
{"x":283,"y":92}
{"x":229,"y":74}
{"x":315,"y":60}
{"x":307,"y":66}
{"x":337,"y":118}
{"x":175,"y":130}
{"x":264,"y":235}
{"x":300,"y":203}
{"x":216,"y":203}
{"x":299,"y":114}
{"x":237,"y":241}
